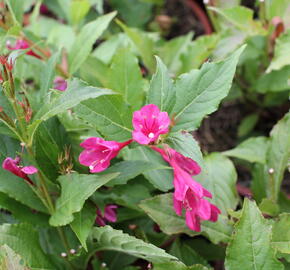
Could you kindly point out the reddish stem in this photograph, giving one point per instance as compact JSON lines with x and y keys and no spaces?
{"x":201,"y":15}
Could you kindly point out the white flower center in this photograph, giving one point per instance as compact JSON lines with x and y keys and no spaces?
{"x":151,"y":135}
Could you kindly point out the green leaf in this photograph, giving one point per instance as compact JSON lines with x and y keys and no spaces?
{"x":83,"y":223}
{"x":184,"y":143}
{"x":241,"y":18}
{"x":276,"y":8}
{"x":219,"y":177}
{"x":19,"y":190}
{"x":24,"y":240}
{"x":278,"y":155}
{"x":143,"y":43}
{"x":178,"y":266}
{"x":281,"y":53}
{"x":259,"y":181}
{"x":198,"y":51}
{"x":253,"y":149}
{"x":172,"y":50}
{"x":83,"y":44}
{"x":47,"y":76}
{"x":17,"y":9}
{"x":130,"y":169}
{"x":160,"y":178}
{"x":186,"y":254}
{"x":161,"y":91}
{"x":109,"y":115}
{"x":76,"y":92}
{"x":269,"y":207}
{"x":22,"y":212}
{"x":160,"y":209}
{"x":10,"y":260}
{"x":75,"y":190}
{"x":247,"y":124}
{"x":252,"y":239}
{"x":199,"y":92}
{"x":78,"y":10}
{"x":110,"y":239}
{"x":281,"y":234}
{"x":126,"y":78}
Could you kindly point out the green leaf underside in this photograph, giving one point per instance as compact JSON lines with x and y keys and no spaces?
{"x":75,"y":190}
{"x":111,"y":239}
{"x":252,"y":239}
{"x":199,"y":92}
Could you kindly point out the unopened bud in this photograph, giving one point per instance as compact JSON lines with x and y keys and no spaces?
{"x":1,"y":109}
{"x":72,"y":251}
{"x":149,"y":266}
{"x":271,"y":171}
{"x":63,"y":254}
{"x":132,"y":226}
{"x":22,"y":144}
{"x":206,"y":2}
{"x":103,"y":264}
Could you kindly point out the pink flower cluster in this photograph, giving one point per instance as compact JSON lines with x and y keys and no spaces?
{"x":149,"y":124}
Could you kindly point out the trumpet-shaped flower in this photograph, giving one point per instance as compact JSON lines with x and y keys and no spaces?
{"x":109,"y":215}
{"x":149,"y":123}
{"x":98,"y":153}
{"x":12,"y":165}
{"x":21,"y":44}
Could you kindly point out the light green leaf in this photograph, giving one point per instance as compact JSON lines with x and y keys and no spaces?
{"x":172,"y":50}
{"x":276,"y":8}
{"x":130,"y":169}
{"x":109,"y":115}
{"x":75,"y":190}
{"x":281,"y":234}
{"x":83,"y":223}
{"x":241,"y":18}
{"x":126,"y":78}
{"x":184,"y":143}
{"x":85,"y":40}
{"x":199,"y":92}
{"x":247,"y":124}
{"x":47,"y":76}
{"x":219,"y":177}
{"x":10,"y":260}
{"x":281,"y":53}
{"x":17,"y":9}
{"x":198,"y":52}
{"x":259,"y":181}
{"x":24,"y":240}
{"x":278,"y":155}
{"x":161,"y":91}
{"x":160,"y":178}
{"x":160,"y":209}
{"x":252,"y":239}
{"x":78,"y":10}
{"x":253,"y":149}
{"x":143,"y":43}
{"x":110,"y":239}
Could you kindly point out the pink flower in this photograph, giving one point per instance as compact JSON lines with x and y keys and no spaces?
{"x":188,"y":193}
{"x":196,"y":210}
{"x":60,"y":84}
{"x":108,"y":216}
{"x":149,"y":123}
{"x":98,"y":153}
{"x":12,"y":165}
{"x":21,"y":44}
